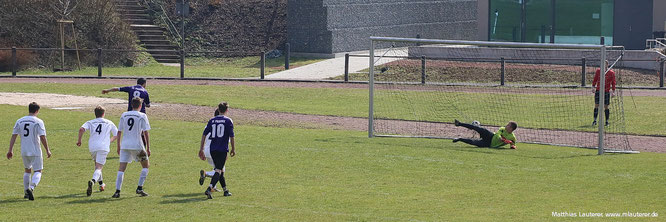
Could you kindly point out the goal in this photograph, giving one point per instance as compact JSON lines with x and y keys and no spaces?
{"x":418,"y":87}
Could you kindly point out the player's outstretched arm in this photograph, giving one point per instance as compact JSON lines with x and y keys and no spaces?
{"x":81,"y":131}
{"x":114,"y":89}
{"x":146,"y":135}
{"x":46,"y":145}
{"x":233,"y":147}
{"x":10,"y":153}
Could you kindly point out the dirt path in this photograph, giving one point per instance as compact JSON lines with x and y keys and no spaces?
{"x":516,"y":90}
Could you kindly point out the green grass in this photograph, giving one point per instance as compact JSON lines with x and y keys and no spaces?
{"x":238,"y":67}
{"x":527,"y":110}
{"x":283,"y":174}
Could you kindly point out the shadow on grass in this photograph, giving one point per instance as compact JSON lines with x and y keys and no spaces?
{"x":183,"y":198}
{"x":516,"y":153}
{"x":102,"y":198}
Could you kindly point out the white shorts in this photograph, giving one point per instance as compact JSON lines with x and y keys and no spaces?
{"x":127,"y":156}
{"x":99,"y":156}
{"x":210,"y":161}
{"x":33,"y":162}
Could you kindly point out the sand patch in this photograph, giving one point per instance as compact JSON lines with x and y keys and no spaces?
{"x":58,"y":101}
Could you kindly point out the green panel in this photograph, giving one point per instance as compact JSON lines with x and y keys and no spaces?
{"x":504,"y":20}
{"x":581,"y":21}
{"x":538,"y":16}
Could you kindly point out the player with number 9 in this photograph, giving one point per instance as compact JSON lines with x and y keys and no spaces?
{"x":133,"y":124}
{"x":100,"y":130}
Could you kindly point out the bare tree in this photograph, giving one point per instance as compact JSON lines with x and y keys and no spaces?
{"x":64,"y":7}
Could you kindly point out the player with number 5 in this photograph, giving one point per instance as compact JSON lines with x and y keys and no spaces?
{"x":133,"y":124}
{"x":32,"y":131}
{"x":100,"y":130}
{"x":221,"y":130}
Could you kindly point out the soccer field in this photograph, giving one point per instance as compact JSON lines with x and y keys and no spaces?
{"x":291,"y":173}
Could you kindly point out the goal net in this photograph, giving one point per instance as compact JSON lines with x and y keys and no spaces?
{"x":418,"y":87}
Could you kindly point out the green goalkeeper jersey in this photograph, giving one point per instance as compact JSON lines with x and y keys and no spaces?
{"x":497,"y":141}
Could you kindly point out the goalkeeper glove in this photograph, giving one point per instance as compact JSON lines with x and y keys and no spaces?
{"x":506,"y":141}
{"x":513,"y":146}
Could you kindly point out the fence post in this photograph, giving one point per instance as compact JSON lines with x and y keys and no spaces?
{"x":583,"y":72}
{"x":661,"y":74}
{"x":346,"y":67}
{"x":14,"y":68}
{"x":287,"y":54}
{"x":502,"y":71}
{"x":543,"y":34}
{"x":182,"y":63}
{"x":423,"y":69}
{"x":99,"y":62}
{"x":263,"y":64}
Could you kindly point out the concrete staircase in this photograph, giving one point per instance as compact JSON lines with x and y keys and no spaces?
{"x":151,"y":36}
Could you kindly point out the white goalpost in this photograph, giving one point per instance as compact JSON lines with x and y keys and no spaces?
{"x":467,"y":80}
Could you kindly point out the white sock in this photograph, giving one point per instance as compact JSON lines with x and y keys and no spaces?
{"x":36,"y":177}
{"x":210,"y":173}
{"x":142,"y":177}
{"x":26,"y":181}
{"x":97,"y":175}
{"x":119,"y":180}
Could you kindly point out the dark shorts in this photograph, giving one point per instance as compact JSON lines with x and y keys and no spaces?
{"x":219,"y":158}
{"x":606,"y":98}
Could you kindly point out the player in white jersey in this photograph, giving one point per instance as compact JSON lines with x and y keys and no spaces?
{"x":132,"y":125}
{"x":32,"y":131}
{"x":203,"y":174}
{"x":100,"y":130}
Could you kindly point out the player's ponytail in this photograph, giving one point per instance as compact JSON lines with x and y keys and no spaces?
{"x":222,"y":107}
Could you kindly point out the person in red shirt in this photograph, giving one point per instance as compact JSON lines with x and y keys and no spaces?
{"x":610,"y":85}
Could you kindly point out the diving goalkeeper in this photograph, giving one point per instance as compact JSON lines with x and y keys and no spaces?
{"x":502,"y":137}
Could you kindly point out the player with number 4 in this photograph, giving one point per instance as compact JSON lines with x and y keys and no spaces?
{"x":133,"y":124}
{"x":100,"y":130}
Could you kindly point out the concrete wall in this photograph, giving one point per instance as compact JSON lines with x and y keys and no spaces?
{"x":659,"y":13}
{"x":332,"y":26}
{"x":641,"y":59}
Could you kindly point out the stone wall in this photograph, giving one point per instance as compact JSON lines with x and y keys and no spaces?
{"x":332,"y":26}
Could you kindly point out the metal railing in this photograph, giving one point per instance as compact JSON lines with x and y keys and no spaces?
{"x":43,"y":57}
{"x":165,"y":19}
{"x":658,"y":43}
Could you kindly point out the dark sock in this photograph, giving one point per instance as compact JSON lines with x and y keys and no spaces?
{"x":607,"y":112}
{"x":213,"y":181}
{"x":100,"y":182}
{"x":596,"y":113}
{"x":117,"y":191}
{"x":139,"y":188}
{"x":222,"y":181}
{"x":93,"y":180}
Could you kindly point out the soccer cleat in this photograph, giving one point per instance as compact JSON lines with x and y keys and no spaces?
{"x":202,"y":177}
{"x":227,"y":193}
{"x":25,"y":194}
{"x":606,"y":123}
{"x":594,"y":122}
{"x":456,"y":122}
{"x":30,"y":194}
{"x":141,"y":193}
{"x":208,"y":193}
{"x":89,"y":190}
{"x":102,"y":187}
{"x":116,"y":194}
{"x":455,"y":140}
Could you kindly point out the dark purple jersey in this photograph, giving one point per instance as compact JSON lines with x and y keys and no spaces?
{"x":220,"y":129}
{"x":136,"y":91}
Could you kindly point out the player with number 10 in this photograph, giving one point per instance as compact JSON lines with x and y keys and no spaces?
{"x":221,"y":130}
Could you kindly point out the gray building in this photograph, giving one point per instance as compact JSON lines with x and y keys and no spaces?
{"x":333,"y":26}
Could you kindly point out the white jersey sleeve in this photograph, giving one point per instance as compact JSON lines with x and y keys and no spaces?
{"x":17,"y":128}
{"x":146,"y":124}
{"x":40,"y":129}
